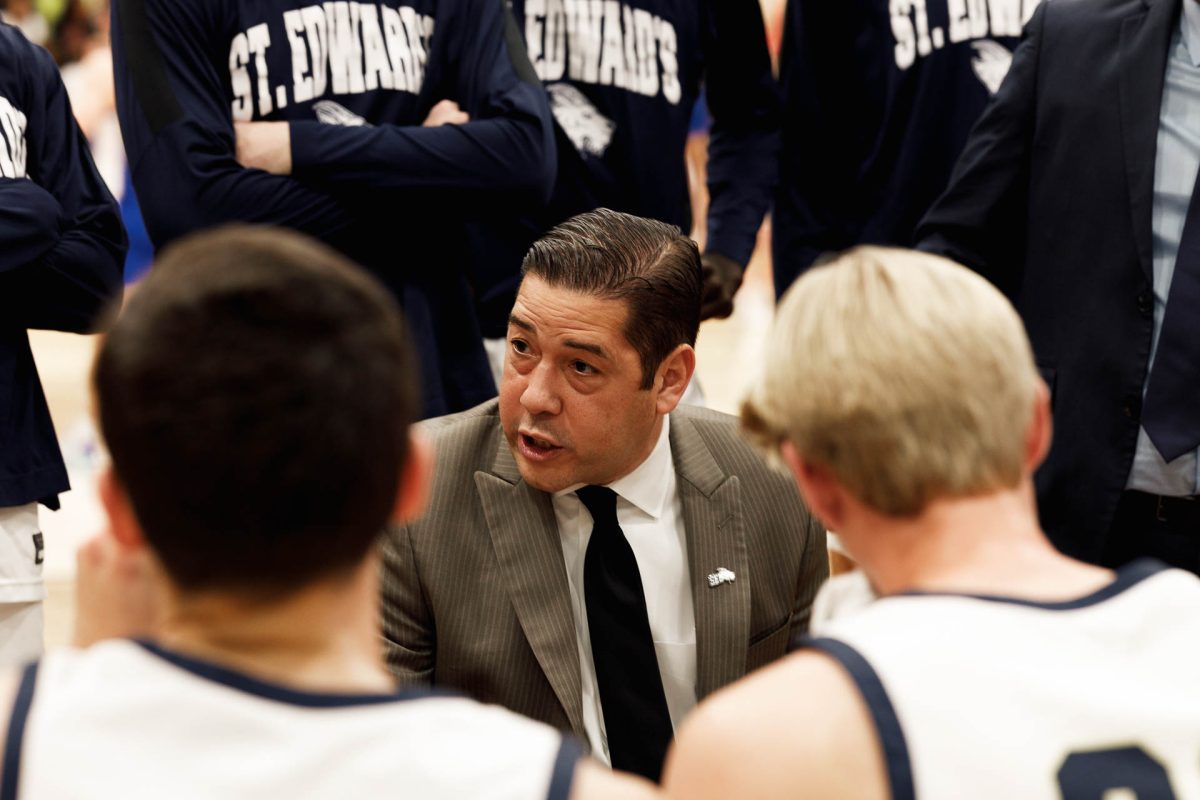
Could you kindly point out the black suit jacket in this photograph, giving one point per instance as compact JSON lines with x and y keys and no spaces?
{"x":1051,"y":201}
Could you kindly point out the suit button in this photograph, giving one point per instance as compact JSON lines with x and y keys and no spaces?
{"x":1145,"y":304}
{"x":1132,"y":407}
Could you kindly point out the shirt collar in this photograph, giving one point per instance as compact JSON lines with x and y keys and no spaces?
{"x":648,"y":486}
{"x":1189,"y":27}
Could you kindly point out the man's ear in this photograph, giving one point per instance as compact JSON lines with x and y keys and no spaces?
{"x":673,"y":376}
{"x":122,"y":521}
{"x":415,"y":478}
{"x":1041,"y":428}
{"x":823,"y":495}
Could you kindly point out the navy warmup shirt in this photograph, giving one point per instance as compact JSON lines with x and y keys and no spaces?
{"x":61,"y":250}
{"x":354,"y":80}
{"x":879,"y":98}
{"x":623,"y":78}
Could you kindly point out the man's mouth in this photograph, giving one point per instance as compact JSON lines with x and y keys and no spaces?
{"x":537,"y":448}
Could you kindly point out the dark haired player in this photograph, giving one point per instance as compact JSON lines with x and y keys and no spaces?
{"x":251,"y":477}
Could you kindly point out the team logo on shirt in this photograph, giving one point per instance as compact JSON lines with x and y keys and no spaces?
{"x":12,"y":140}
{"x":969,"y":21}
{"x":605,"y":43}
{"x":339,"y":47}
{"x":590,"y":131}
{"x":332,"y":113}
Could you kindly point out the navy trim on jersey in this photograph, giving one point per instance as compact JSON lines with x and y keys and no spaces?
{"x":887,"y":724}
{"x":16,"y":733}
{"x":1128,"y":576}
{"x":563,"y":775}
{"x":272,"y":691}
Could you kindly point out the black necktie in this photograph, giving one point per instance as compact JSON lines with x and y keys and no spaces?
{"x":1171,"y":412}
{"x":636,"y":718}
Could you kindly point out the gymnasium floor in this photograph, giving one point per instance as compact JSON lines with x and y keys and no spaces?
{"x":728,"y":351}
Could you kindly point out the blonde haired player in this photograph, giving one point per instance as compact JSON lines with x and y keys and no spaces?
{"x":903,"y":396}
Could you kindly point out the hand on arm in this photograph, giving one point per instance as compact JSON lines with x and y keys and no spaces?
{"x":268,"y":145}
{"x":446,"y":112}
{"x":264,"y":145}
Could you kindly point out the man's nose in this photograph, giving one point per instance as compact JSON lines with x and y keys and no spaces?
{"x":541,"y":395}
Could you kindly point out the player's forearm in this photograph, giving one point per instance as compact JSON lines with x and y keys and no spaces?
{"x":188,"y":180}
{"x":30,"y":220}
{"x":743,"y":166}
{"x":494,"y":156}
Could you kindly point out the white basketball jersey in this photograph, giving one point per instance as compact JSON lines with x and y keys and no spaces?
{"x":992,"y":698}
{"x":129,"y":720}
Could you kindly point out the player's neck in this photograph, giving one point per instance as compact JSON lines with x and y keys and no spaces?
{"x":322,"y":639}
{"x":986,"y":544}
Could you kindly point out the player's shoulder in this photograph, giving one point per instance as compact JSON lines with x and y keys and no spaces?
{"x":761,"y":720}
{"x":472,"y":749}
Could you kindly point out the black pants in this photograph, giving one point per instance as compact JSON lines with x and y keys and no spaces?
{"x":1166,"y":528}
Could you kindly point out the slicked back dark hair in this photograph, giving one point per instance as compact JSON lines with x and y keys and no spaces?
{"x":649,"y":264}
{"x":256,"y":394}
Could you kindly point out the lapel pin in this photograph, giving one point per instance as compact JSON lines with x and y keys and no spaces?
{"x":722,"y":575}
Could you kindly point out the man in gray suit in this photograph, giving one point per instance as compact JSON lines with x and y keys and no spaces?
{"x":594,"y":555}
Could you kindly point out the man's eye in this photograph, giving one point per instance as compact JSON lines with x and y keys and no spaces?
{"x":583,"y":368}
{"x":520,"y":345}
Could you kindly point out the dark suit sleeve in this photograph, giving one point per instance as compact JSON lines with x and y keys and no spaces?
{"x":814,"y":570}
{"x":980,"y":220}
{"x":743,"y":149}
{"x":507,"y":147}
{"x":177,"y":124}
{"x":408,"y":628}
{"x":62,"y":245}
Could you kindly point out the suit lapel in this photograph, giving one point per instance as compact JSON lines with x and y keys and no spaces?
{"x":1145,"y":40}
{"x":712,"y":518}
{"x":525,"y":537}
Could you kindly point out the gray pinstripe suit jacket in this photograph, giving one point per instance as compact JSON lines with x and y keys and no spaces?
{"x":475,"y":594}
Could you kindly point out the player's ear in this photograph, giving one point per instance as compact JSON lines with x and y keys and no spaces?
{"x":821,"y":491}
{"x":122,"y":521}
{"x":415,"y":478}
{"x":1041,"y":428}
{"x":672,"y":377}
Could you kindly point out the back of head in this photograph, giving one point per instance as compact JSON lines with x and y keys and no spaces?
{"x":908,"y":377}
{"x":256,"y":395}
{"x":648,"y":264}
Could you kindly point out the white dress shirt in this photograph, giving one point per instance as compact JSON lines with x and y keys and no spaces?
{"x":1175,"y":168}
{"x":651,"y":516}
